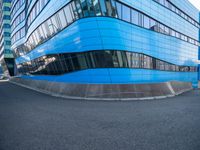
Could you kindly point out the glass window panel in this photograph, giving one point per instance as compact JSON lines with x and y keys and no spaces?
{"x":37,"y":8}
{"x":46,"y":1}
{"x":170,"y":6}
{"x":69,"y":62}
{"x":173,"y":33}
{"x":147,"y":62}
{"x":162,"y":65}
{"x":73,"y":10}
{"x":23,"y":31}
{"x":55,"y":24}
{"x":36,"y":38}
{"x":173,"y":8}
{"x":103,"y":7}
{"x":122,"y":59}
{"x":59,"y":65}
{"x":68,"y":14}
{"x":110,"y":9}
{"x":41,"y":4}
{"x":133,"y":60}
{"x":33,"y":14}
{"x":45,"y":29}
{"x":135,"y":17}
{"x":103,"y":59}
{"x":119,"y":10}
{"x":146,"y":22}
{"x":114,"y":9}
{"x":162,"y":28}
{"x":166,"y":3}
{"x":63,"y":21}
{"x":167,"y":30}
{"x":32,"y":41}
{"x":42,"y":35}
{"x":50,"y":27}
{"x":136,"y":60}
{"x":62,"y":60}
{"x":153,"y":25}
{"x":178,"y":35}
{"x":97,"y":7}
{"x":128,"y":55}
{"x":114,"y":58}
{"x":90,"y":60}
{"x":78,"y":8}
{"x":82,"y":61}
{"x":162,"y":2}
{"x":90,"y":8}
{"x":84,"y":8}
{"x":75,"y":62}
{"x":126,"y":13}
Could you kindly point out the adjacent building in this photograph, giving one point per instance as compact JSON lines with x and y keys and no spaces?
{"x":6,"y":55}
{"x":1,"y":71}
{"x":106,"y":41}
{"x":199,"y":53}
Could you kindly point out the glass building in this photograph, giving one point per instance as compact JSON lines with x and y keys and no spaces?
{"x":106,"y":41}
{"x":6,"y":55}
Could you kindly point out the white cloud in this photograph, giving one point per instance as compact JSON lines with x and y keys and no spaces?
{"x":196,"y":3}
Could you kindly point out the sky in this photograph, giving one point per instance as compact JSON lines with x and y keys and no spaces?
{"x":196,"y":3}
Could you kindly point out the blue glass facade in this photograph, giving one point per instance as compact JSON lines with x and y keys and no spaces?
{"x":106,"y":41}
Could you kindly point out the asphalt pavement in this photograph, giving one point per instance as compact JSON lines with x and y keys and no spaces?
{"x":30,"y":120}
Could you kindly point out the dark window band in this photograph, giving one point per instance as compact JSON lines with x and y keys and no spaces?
{"x":57,"y":64}
{"x":75,"y":10}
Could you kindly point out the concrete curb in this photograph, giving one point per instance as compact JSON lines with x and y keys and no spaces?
{"x":89,"y":99}
{"x":48,"y":91}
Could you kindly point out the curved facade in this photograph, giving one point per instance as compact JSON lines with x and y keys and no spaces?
{"x":106,"y":41}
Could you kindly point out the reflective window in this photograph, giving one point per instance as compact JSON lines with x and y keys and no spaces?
{"x":103,"y":7}
{"x":110,"y":8}
{"x":90,"y":8}
{"x":68,"y":14}
{"x":135,"y":17}
{"x":97,"y":7}
{"x":146,"y":22}
{"x":147,"y":62}
{"x":173,"y":33}
{"x":42,"y":34}
{"x":119,"y":10}
{"x":45,"y":29}
{"x":114,"y":9}
{"x":55,"y":64}
{"x":62,"y":19}
{"x":73,"y":10}
{"x":82,"y":61}
{"x":78,"y":8}
{"x":167,"y":30}
{"x":161,"y":28}
{"x":55,"y":23}
{"x":84,"y":8}
{"x":178,"y":35}
{"x":152,"y":25}
{"x":126,"y":13}
{"x":50,"y":26}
